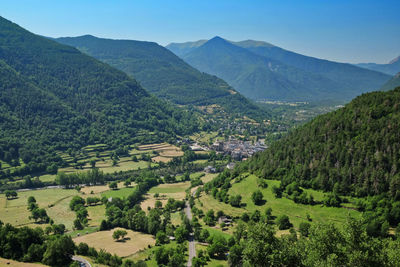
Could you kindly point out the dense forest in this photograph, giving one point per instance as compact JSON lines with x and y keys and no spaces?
{"x":53,"y":97}
{"x":354,"y":150}
{"x":164,"y":74}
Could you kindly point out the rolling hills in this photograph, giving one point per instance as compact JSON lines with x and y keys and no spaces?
{"x":164,"y":74}
{"x":390,"y":68}
{"x":54,"y":97}
{"x":262,"y":71}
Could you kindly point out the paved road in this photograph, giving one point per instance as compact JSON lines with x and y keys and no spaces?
{"x":81,"y":261}
{"x":192,"y":242}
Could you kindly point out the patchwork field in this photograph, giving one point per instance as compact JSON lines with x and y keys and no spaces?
{"x":166,"y":152}
{"x":134,"y":242}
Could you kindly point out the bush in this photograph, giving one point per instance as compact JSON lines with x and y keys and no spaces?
{"x":257,"y":197}
{"x":283,"y":222}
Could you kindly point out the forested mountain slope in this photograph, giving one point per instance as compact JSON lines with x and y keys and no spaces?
{"x":354,"y":150}
{"x":390,"y":68}
{"x":263,"y":71}
{"x":255,"y":76}
{"x":351,"y":78}
{"x":392,"y":83}
{"x":164,"y":74}
{"x":53,"y":97}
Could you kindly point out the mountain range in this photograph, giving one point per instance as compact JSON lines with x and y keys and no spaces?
{"x":260,"y":70}
{"x":164,"y":74}
{"x":54,"y":97}
{"x":390,"y":68}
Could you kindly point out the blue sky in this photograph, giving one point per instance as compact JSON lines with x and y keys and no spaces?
{"x":341,"y":30}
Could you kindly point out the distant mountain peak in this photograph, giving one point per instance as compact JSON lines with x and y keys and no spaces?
{"x":217,"y":39}
{"x":397,"y":59}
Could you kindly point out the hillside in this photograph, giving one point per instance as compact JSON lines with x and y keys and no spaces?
{"x":164,"y":74}
{"x":262,"y":71}
{"x":351,"y":79}
{"x":390,"y":68}
{"x":254,"y":76}
{"x":353,"y":150}
{"x":54,"y":97}
{"x":392,"y":83}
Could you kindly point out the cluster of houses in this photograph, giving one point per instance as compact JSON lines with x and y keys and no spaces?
{"x":238,"y":149}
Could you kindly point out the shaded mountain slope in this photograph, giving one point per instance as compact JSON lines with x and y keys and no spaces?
{"x":351,"y":78}
{"x":164,"y":74}
{"x":54,"y":97}
{"x":255,"y":76}
{"x":260,"y":70}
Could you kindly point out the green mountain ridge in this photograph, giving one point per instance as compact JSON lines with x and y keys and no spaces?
{"x":164,"y":74}
{"x":260,"y":70}
{"x":353,"y":150}
{"x":54,"y":97}
{"x":350,"y":79}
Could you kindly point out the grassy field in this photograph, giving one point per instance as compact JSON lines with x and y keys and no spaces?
{"x":15,"y":211}
{"x":170,"y":188}
{"x":166,"y":191}
{"x":296,"y":212}
{"x":47,"y":178}
{"x":146,"y":254}
{"x":11,"y":263}
{"x":56,"y":203}
{"x":96,"y":215}
{"x":106,"y":166}
{"x":133,"y":242}
{"x":121,"y":193}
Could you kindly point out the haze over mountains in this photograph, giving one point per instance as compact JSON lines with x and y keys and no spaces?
{"x":262,"y":71}
{"x":390,"y":68}
{"x":392,"y":83}
{"x":164,"y":74}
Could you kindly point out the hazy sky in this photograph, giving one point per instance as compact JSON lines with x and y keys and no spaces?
{"x":341,"y":30}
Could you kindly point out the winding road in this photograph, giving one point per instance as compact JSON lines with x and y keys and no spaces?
{"x":192,"y":242}
{"x":82,"y":262}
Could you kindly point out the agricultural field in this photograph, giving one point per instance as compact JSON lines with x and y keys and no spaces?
{"x":11,"y":263}
{"x":165,"y":191}
{"x":165,"y":152}
{"x":133,"y":242}
{"x":55,"y":201}
{"x":296,"y":212}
